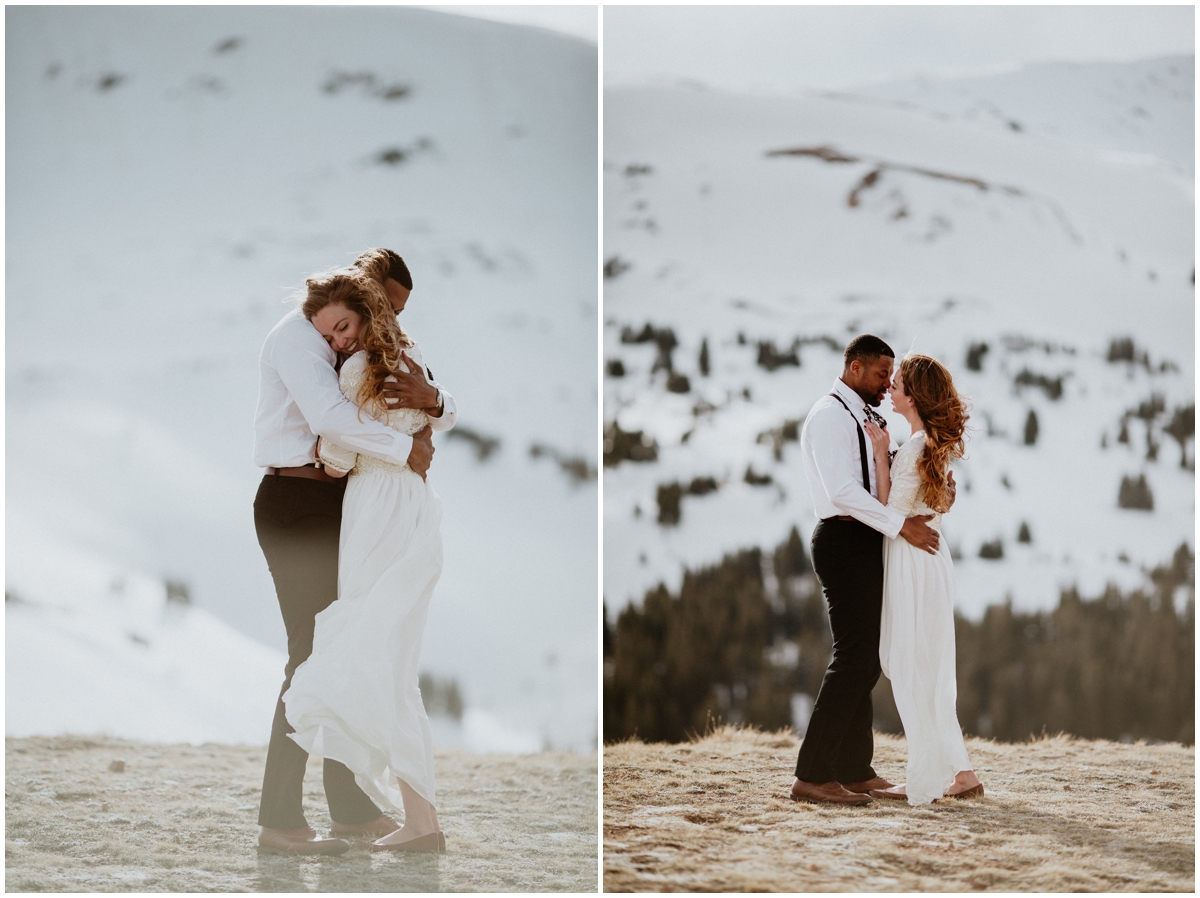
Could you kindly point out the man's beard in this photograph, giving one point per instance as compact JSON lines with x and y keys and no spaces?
{"x":872,"y":399}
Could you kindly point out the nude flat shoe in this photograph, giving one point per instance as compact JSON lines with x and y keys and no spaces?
{"x":973,"y":792}
{"x":433,"y":843}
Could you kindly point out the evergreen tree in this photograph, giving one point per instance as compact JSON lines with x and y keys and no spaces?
{"x":1182,"y":427}
{"x":1031,"y":428}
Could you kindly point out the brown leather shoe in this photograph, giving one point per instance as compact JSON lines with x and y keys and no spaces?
{"x":895,"y":793}
{"x":826,"y":793}
{"x":377,"y":828}
{"x":867,"y":786}
{"x":298,"y":841}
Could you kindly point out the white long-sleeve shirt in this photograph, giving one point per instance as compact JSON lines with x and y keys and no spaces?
{"x":830,"y":450}
{"x":299,"y":400}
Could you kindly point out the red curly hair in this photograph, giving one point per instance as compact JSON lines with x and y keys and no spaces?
{"x":379,"y":333}
{"x":928,"y":384}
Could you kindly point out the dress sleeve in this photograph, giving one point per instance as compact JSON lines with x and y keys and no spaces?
{"x":332,"y":454}
{"x":906,"y":481}
{"x":337,"y":457}
{"x":354,"y":372}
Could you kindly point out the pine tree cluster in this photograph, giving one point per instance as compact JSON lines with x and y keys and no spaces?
{"x":1120,"y":666}
{"x":744,"y":636}
{"x":678,"y":663}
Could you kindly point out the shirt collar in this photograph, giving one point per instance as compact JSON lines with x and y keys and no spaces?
{"x":855,"y":401}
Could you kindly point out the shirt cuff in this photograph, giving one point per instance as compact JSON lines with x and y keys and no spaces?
{"x":895,"y":523}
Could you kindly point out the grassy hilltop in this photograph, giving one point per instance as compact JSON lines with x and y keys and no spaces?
{"x":1060,"y":814}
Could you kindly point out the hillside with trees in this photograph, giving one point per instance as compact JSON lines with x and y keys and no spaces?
{"x":747,"y":641}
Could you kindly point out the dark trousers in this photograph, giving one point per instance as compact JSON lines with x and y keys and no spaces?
{"x":298,"y":522}
{"x":848,"y":560}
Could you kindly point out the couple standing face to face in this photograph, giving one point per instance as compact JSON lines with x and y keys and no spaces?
{"x":340,"y":325}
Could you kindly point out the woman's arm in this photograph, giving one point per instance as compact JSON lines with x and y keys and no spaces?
{"x":883,"y":475}
{"x":336,"y":460}
{"x":905,"y":492}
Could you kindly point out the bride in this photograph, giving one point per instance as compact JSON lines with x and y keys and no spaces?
{"x":916,"y":646}
{"x":356,"y":698}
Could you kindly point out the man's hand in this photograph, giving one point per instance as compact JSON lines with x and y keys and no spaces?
{"x":953,"y":488}
{"x":918,"y":533}
{"x":411,"y":390}
{"x":421,"y":455}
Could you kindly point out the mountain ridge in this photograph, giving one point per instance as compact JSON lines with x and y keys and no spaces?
{"x":891,"y":221}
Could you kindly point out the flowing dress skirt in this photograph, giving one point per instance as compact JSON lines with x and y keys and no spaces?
{"x":916,"y":651}
{"x":356,"y":698}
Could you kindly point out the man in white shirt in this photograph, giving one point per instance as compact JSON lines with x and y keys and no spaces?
{"x":297,"y":516}
{"x":834,"y":765}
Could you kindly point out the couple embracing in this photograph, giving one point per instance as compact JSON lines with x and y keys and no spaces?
{"x":351,"y":530}
{"x":887,"y":576}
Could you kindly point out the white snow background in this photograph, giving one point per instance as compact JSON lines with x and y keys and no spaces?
{"x":1076,"y":228}
{"x":173,"y":174}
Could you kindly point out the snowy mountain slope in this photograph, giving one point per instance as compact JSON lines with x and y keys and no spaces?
{"x":935,"y":234}
{"x":1144,"y":107}
{"x":174,"y":173}
{"x":102,"y":650}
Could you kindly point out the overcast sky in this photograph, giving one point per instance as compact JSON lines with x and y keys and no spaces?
{"x":789,"y":47}
{"x":577,"y":21}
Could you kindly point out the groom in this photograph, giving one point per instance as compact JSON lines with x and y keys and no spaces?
{"x":834,"y":765}
{"x":297,"y":516}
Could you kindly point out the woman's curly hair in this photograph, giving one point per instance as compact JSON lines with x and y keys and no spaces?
{"x":928,"y":384}
{"x":379,"y":333}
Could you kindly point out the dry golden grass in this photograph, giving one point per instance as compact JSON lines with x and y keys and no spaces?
{"x":182,"y":819}
{"x":1060,"y":814}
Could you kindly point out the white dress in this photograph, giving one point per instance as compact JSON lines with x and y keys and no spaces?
{"x":355,"y":699}
{"x":916,"y":644}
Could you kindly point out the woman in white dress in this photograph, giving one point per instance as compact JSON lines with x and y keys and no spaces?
{"x":356,"y":698}
{"x":916,"y":646}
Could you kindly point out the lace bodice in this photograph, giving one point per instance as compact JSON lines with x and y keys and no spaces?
{"x":906,"y":495}
{"x":405,"y":420}
{"x":354,"y":372}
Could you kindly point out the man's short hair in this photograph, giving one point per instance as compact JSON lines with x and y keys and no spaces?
{"x":866,"y":348}
{"x":381,"y":264}
{"x":397,"y":270}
